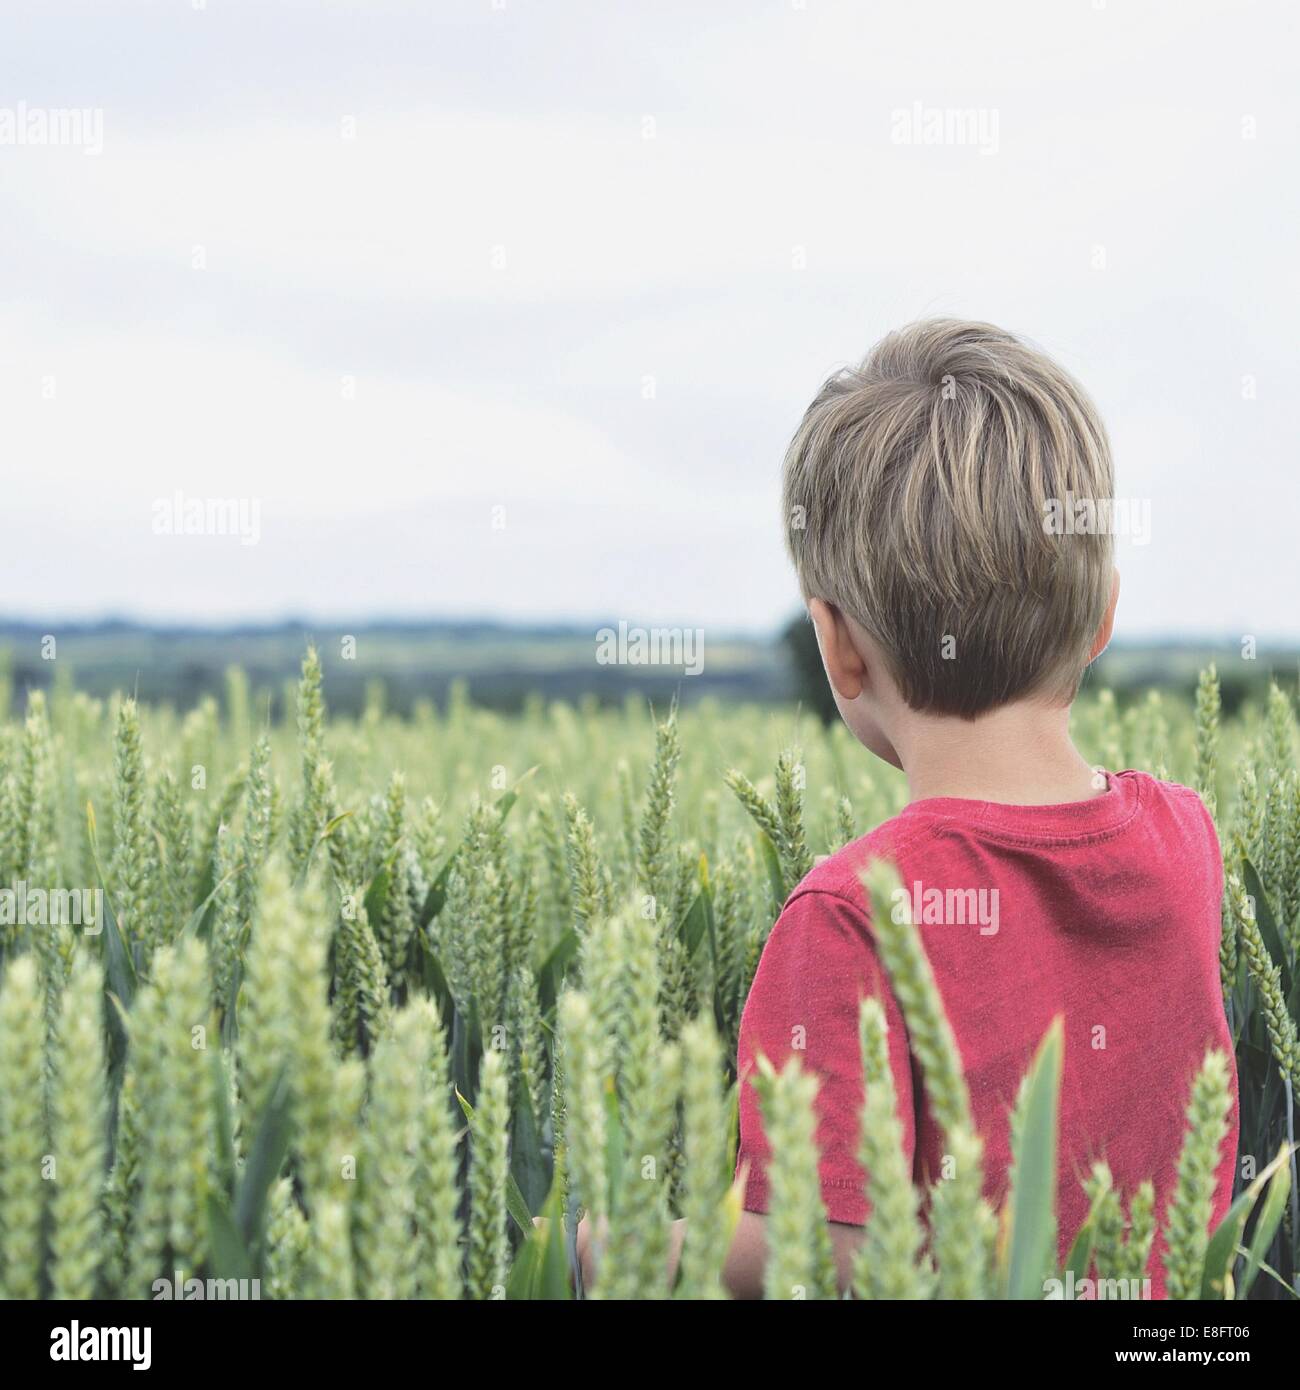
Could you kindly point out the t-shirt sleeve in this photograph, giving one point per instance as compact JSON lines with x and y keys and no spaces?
{"x":819,"y":963}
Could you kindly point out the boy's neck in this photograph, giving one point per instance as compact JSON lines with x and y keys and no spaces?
{"x":1020,"y":755}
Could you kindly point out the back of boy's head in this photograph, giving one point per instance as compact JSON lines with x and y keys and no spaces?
{"x":919,"y":492}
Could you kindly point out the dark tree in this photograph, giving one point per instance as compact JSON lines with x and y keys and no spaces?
{"x":811,"y":686}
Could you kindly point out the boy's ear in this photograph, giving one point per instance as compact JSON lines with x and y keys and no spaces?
{"x":1102,"y":639}
{"x":845,"y":667}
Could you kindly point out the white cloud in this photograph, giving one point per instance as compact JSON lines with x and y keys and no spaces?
{"x":764,"y":236}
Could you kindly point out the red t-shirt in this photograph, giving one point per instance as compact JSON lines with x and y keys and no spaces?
{"x":1107,"y":913}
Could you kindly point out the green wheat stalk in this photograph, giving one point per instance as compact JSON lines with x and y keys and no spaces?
{"x":437,"y":1190}
{"x":890,"y":1262}
{"x":22,"y":1131}
{"x":1187,"y":1217}
{"x":488,"y":1172}
{"x":795,"y":1216}
{"x":704,"y":1133}
{"x":386,"y":1256}
{"x":78,"y":1120}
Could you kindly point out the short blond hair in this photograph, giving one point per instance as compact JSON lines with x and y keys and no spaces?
{"x":917,"y":492}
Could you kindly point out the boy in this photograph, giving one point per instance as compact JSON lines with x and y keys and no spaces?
{"x":956,"y":613}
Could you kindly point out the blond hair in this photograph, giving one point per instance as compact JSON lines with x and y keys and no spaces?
{"x":919,"y":489}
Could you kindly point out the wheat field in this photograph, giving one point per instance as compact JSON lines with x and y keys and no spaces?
{"x":335,"y":1008}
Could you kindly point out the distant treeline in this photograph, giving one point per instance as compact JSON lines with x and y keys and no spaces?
{"x":394,"y":664}
{"x":398,"y":664}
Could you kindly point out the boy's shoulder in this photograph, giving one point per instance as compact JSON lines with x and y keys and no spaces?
{"x":925,"y":823}
{"x":1187,"y":797}
{"x":838,"y":874}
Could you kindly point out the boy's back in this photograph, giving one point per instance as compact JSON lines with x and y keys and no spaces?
{"x":1103,"y":911}
{"x":948,"y":507}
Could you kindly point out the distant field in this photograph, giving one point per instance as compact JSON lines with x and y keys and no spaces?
{"x":399,"y":665}
{"x":502,"y":666}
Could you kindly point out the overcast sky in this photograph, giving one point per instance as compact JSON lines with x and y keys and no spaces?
{"x":508,"y":308}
